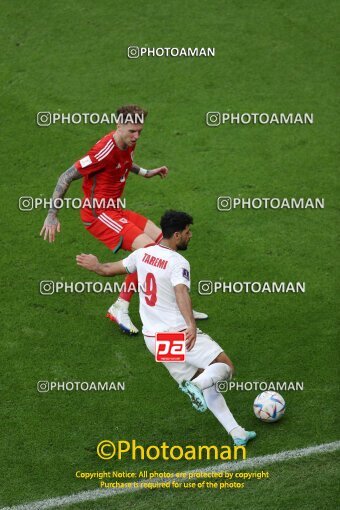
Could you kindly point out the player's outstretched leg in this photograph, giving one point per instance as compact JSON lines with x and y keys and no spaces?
{"x":119,"y":311}
{"x":205,"y":382}
{"x":218,"y":406}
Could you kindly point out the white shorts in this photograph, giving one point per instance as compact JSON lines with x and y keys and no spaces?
{"x":201,"y":355}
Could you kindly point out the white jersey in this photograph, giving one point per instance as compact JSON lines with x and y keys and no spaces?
{"x":159,"y":270}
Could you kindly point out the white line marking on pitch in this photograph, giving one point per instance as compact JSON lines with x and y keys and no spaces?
{"x":236,"y":465}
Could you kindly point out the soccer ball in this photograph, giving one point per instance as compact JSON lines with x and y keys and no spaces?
{"x":269,"y":406}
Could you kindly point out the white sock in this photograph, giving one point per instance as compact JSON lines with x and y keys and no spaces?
{"x":218,"y":406}
{"x":238,"y":432}
{"x":211,"y":375}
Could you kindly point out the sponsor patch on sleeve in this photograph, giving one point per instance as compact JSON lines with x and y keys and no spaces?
{"x":85,"y":162}
{"x":186,"y":274}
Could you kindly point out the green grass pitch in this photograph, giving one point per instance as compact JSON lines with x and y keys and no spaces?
{"x":270,"y":57}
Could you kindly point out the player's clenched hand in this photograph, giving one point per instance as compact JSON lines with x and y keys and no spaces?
{"x":89,"y":262}
{"x":162,"y":172}
{"x":50,"y":227}
{"x":190,"y":334}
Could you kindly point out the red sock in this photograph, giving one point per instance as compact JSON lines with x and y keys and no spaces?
{"x":130,"y":286}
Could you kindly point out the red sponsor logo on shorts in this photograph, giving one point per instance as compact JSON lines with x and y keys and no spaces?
{"x":170,"y":347}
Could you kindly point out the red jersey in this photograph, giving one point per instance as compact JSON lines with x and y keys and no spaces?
{"x":105,"y":169}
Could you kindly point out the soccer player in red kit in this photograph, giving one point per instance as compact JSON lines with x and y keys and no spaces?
{"x":104,"y":170}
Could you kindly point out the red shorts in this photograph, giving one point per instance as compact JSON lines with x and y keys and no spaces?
{"x":116,"y":229}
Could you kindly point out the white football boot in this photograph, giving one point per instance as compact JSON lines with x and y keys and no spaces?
{"x":119,"y":313}
{"x":199,"y":316}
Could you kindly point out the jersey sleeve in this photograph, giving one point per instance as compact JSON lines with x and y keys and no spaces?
{"x":130,"y":262}
{"x":180,"y":273}
{"x":95,"y":159}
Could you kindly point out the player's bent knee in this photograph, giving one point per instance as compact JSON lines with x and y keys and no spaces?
{"x":152,"y":230}
{"x":223,"y":358}
{"x":199,"y":371}
{"x":141,"y":241}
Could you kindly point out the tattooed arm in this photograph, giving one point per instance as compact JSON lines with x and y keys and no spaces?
{"x":52,"y":224}
{"x":162,"y":171}
{"x":135,"y":169}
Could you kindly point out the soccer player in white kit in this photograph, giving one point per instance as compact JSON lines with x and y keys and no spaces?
{"x":165,"y":306}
